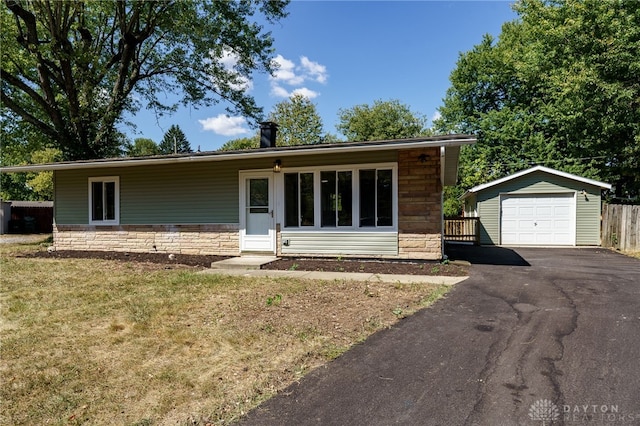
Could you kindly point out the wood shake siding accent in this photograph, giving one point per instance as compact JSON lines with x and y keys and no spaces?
{"x":587,"y":208}
{"x":419,"y":204}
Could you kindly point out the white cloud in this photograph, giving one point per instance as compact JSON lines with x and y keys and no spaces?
{"x":436,"y":116}
{"x":225,"y":125}
{"x":279,"y":91}
{"x":229,"y":61}
{"x":314,"y":70}
{"x":307,"y":93}
{"x":290,"y":74}
{"x":286,"y":72}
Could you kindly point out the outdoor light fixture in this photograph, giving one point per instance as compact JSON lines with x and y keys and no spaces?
{"x":423,"y":158}
{"x":277,"y":165}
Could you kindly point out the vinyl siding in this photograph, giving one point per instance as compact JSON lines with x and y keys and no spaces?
{"x":71,"y":195}
{"x":587,"y":208}
{"x":200,"y":192}
{"x":341,"y":243}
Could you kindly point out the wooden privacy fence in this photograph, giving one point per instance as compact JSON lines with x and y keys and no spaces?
{"x":465,"y":229}
{"x":620,"y":226}
{"x":31,"y":217}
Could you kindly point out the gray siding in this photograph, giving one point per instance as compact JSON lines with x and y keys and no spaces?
{"x":341,"y":243}
{"x":587,"y":208}
{"x":185,"y":193}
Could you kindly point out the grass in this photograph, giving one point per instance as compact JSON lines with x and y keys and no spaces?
{"x":101,"y":342}
{"x":635,"y":254}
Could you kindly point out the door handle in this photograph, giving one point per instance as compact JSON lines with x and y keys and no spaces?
{"x":271,"y":212}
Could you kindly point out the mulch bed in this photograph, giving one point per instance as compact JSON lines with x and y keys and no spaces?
{"x":369,"y":266}
{"x":284,"y":264}
{"x":159,"y":258}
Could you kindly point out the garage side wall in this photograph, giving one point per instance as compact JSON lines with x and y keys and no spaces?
{"x":587,"y":207}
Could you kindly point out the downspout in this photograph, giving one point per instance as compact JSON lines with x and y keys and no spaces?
{"x":442,"y":162}
{"x":55,"y":208}
{"x":442,"y":255}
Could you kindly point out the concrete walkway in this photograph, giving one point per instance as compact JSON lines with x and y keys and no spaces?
{"x":220,"y":268}
{"x":22,"y":238}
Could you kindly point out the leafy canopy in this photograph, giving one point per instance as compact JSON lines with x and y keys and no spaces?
{"x":298,"y":122}
{"x":381,"y":121}
{"x":560,"y":87}
{"x":142,"y":147}
{"x":242,"y":143}
{"x":70,"y":69}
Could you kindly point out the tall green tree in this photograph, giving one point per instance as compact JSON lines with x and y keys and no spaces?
{"x":71,"y":69}
{"x":298,"y":122}
{"x":142,"y":147}
{"x":560,"y":87}
{"x":174,"y":141}
{"x":381,"y":121}
{"x":42,"y":182}
{"x":241,"y":143}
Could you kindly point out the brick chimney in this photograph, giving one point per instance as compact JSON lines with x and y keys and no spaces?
{"x":268,"y":131}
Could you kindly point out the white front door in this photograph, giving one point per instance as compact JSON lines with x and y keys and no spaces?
{"x":543,"y":219}
{"x":257,"y":222}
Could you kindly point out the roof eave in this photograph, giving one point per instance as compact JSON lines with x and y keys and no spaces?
{"x":456,"y":140}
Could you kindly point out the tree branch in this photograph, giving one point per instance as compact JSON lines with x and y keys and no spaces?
{"x":21,"y":85}
{"x":39,"y":124}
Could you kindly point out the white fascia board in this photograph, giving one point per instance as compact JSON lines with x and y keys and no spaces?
{"x":465,"y":195}
{"x":337,"y":148}
{"x":536,"y":169}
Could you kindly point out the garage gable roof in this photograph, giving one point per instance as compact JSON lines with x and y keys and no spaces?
{"x":532,"y":170}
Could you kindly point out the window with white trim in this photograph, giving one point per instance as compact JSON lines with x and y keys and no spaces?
{"x":104,"y":200}
{"x":376,"y":198}
{"x":342,"y":198}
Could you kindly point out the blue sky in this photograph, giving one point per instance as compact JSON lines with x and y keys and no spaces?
{"x":341,"y":54}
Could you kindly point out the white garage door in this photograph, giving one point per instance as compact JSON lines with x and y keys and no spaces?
{"x":538,"y":219}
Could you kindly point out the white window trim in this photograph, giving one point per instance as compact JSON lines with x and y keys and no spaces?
{"x":355,"y":169}
{"x":116,"y":180}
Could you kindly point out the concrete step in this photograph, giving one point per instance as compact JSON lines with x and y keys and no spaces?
{"x":243,"y":262}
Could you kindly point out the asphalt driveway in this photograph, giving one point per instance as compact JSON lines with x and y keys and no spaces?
{"x":534,"y":336}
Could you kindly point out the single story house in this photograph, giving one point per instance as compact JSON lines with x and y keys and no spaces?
{"x":367,"y":199}
{"x":537,"y":206}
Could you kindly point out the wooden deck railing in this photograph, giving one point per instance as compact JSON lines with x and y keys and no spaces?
{"x":466,"y":229}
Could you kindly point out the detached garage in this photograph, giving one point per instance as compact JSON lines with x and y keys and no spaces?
{"x":538,"y":206}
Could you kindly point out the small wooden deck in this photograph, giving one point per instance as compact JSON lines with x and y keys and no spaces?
{"x":462,"y":229}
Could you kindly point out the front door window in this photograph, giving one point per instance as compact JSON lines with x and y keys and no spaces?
{"x":258,"y":206}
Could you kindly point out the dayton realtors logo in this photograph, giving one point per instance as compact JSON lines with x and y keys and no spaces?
{"x":547,"y":412}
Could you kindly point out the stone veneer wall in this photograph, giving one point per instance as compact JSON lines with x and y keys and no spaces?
{"x":419,"y":204}
{"x":178,"y":239}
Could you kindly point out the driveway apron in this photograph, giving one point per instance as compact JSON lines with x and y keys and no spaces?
{"x":534,"y":336}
